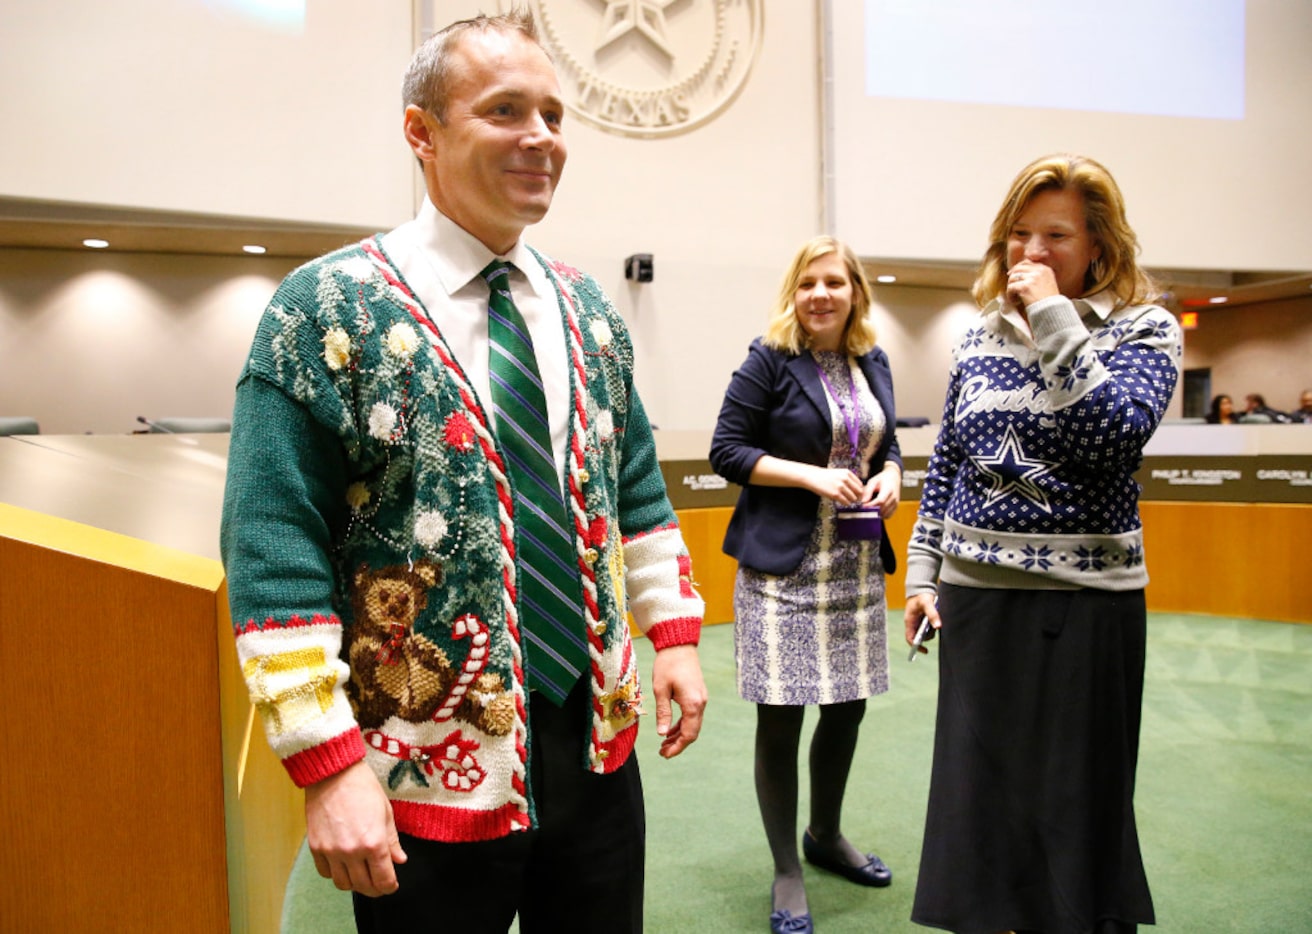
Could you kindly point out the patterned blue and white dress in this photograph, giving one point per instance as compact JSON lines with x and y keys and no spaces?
{"x":817,"y":635}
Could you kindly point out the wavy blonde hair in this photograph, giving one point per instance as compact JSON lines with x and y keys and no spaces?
{"x":784,"y":332}
{"x":1115,"y":270}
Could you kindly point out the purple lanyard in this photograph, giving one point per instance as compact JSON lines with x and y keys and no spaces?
{"x":849,"y":418}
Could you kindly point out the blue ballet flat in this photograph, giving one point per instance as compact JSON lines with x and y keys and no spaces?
{"x":785,"y":922}
{"x":872,"y":872}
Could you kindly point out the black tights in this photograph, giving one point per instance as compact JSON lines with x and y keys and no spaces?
{"x":778,"y":736}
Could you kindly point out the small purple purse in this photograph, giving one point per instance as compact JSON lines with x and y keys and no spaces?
{"x":859,"y":523}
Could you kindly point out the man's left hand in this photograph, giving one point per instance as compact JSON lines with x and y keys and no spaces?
{"x":677,"y":675}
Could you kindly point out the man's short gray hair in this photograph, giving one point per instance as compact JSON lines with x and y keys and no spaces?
{"x":427,"y":82}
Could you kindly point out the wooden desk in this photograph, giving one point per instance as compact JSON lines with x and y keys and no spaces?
{"x":124,"y":804}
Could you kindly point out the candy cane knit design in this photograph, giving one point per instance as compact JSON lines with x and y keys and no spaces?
{"x":586,"y":555}
{"x":506,"y":502}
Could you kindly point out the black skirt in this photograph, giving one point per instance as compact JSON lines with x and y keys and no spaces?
{"x":1031,"y":803}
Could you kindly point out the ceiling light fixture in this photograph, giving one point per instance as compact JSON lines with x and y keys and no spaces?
{"x":886,"y":279}
{"x":95,"y":244}
{"x":1218,"y":299}
{"x":253,"y":248}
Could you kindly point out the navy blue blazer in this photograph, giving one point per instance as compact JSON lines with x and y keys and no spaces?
{"x":776,"y":404}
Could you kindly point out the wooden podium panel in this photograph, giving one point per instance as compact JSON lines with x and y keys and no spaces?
{"x":134,"y":796}
{"x":1229,"y":559}
{"x":112,"y":798}
{"x":264,"y":813}
{"x":712,"y":570}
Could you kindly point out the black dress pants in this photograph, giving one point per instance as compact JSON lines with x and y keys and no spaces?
{"x":580,"y":870}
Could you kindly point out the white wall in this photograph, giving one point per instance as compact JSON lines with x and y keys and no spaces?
{"x":918,"y":328}
{"x":89,"y":341}
{"x":919,"y":178}
{"x":191,"y":105}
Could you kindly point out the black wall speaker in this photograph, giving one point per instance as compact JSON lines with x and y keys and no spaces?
{"x":638,"y":267}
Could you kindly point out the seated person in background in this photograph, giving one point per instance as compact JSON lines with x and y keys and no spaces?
{"x":1222,"y":411}
{"x":1256,"y":410}
{"x":1304,"y":411}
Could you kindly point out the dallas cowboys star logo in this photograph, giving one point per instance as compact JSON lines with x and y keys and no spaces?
{"x":1010,"y":472}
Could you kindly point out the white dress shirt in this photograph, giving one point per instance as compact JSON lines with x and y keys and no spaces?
{"x":441,"y":263}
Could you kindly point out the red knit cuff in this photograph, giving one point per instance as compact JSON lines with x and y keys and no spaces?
{"x":686,"y":631}
{"x":325,"y":760}
{"x":616,"y":752}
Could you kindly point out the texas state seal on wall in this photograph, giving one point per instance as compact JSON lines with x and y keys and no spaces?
{"x":650,"y":68}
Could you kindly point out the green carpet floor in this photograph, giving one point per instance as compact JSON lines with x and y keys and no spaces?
{"x":1224,"y":798}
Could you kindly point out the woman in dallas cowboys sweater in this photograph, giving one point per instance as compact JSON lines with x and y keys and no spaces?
{"x":1027,"y":554}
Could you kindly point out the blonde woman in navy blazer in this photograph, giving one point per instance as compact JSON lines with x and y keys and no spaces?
{"x":807,"y":430}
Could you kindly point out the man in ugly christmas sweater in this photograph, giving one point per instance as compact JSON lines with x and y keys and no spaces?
{"x":378,"y":527}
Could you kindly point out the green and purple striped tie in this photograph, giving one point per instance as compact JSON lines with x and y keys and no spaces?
{"x":550,"y":592}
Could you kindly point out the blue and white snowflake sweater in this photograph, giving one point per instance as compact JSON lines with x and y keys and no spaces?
{"x":1031,"y":481}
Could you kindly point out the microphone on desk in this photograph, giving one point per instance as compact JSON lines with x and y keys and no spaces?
{"x":155,"y":426}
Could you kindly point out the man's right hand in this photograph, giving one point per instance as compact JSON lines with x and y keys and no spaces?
{"x":349,"y":826}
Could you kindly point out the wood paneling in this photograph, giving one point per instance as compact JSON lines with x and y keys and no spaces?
{"x":1229,"y":559}
{"x":265,"y":811}
{"x":712,"y":570}
{"x":1225,"y":559}
{"x":112,"y":801}
{"x":132,"y":795}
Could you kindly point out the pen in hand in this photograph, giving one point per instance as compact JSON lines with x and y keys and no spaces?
{"x":923,"y":635}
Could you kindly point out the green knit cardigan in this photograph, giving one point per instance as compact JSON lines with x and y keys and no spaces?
{"x":368,"y":537}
